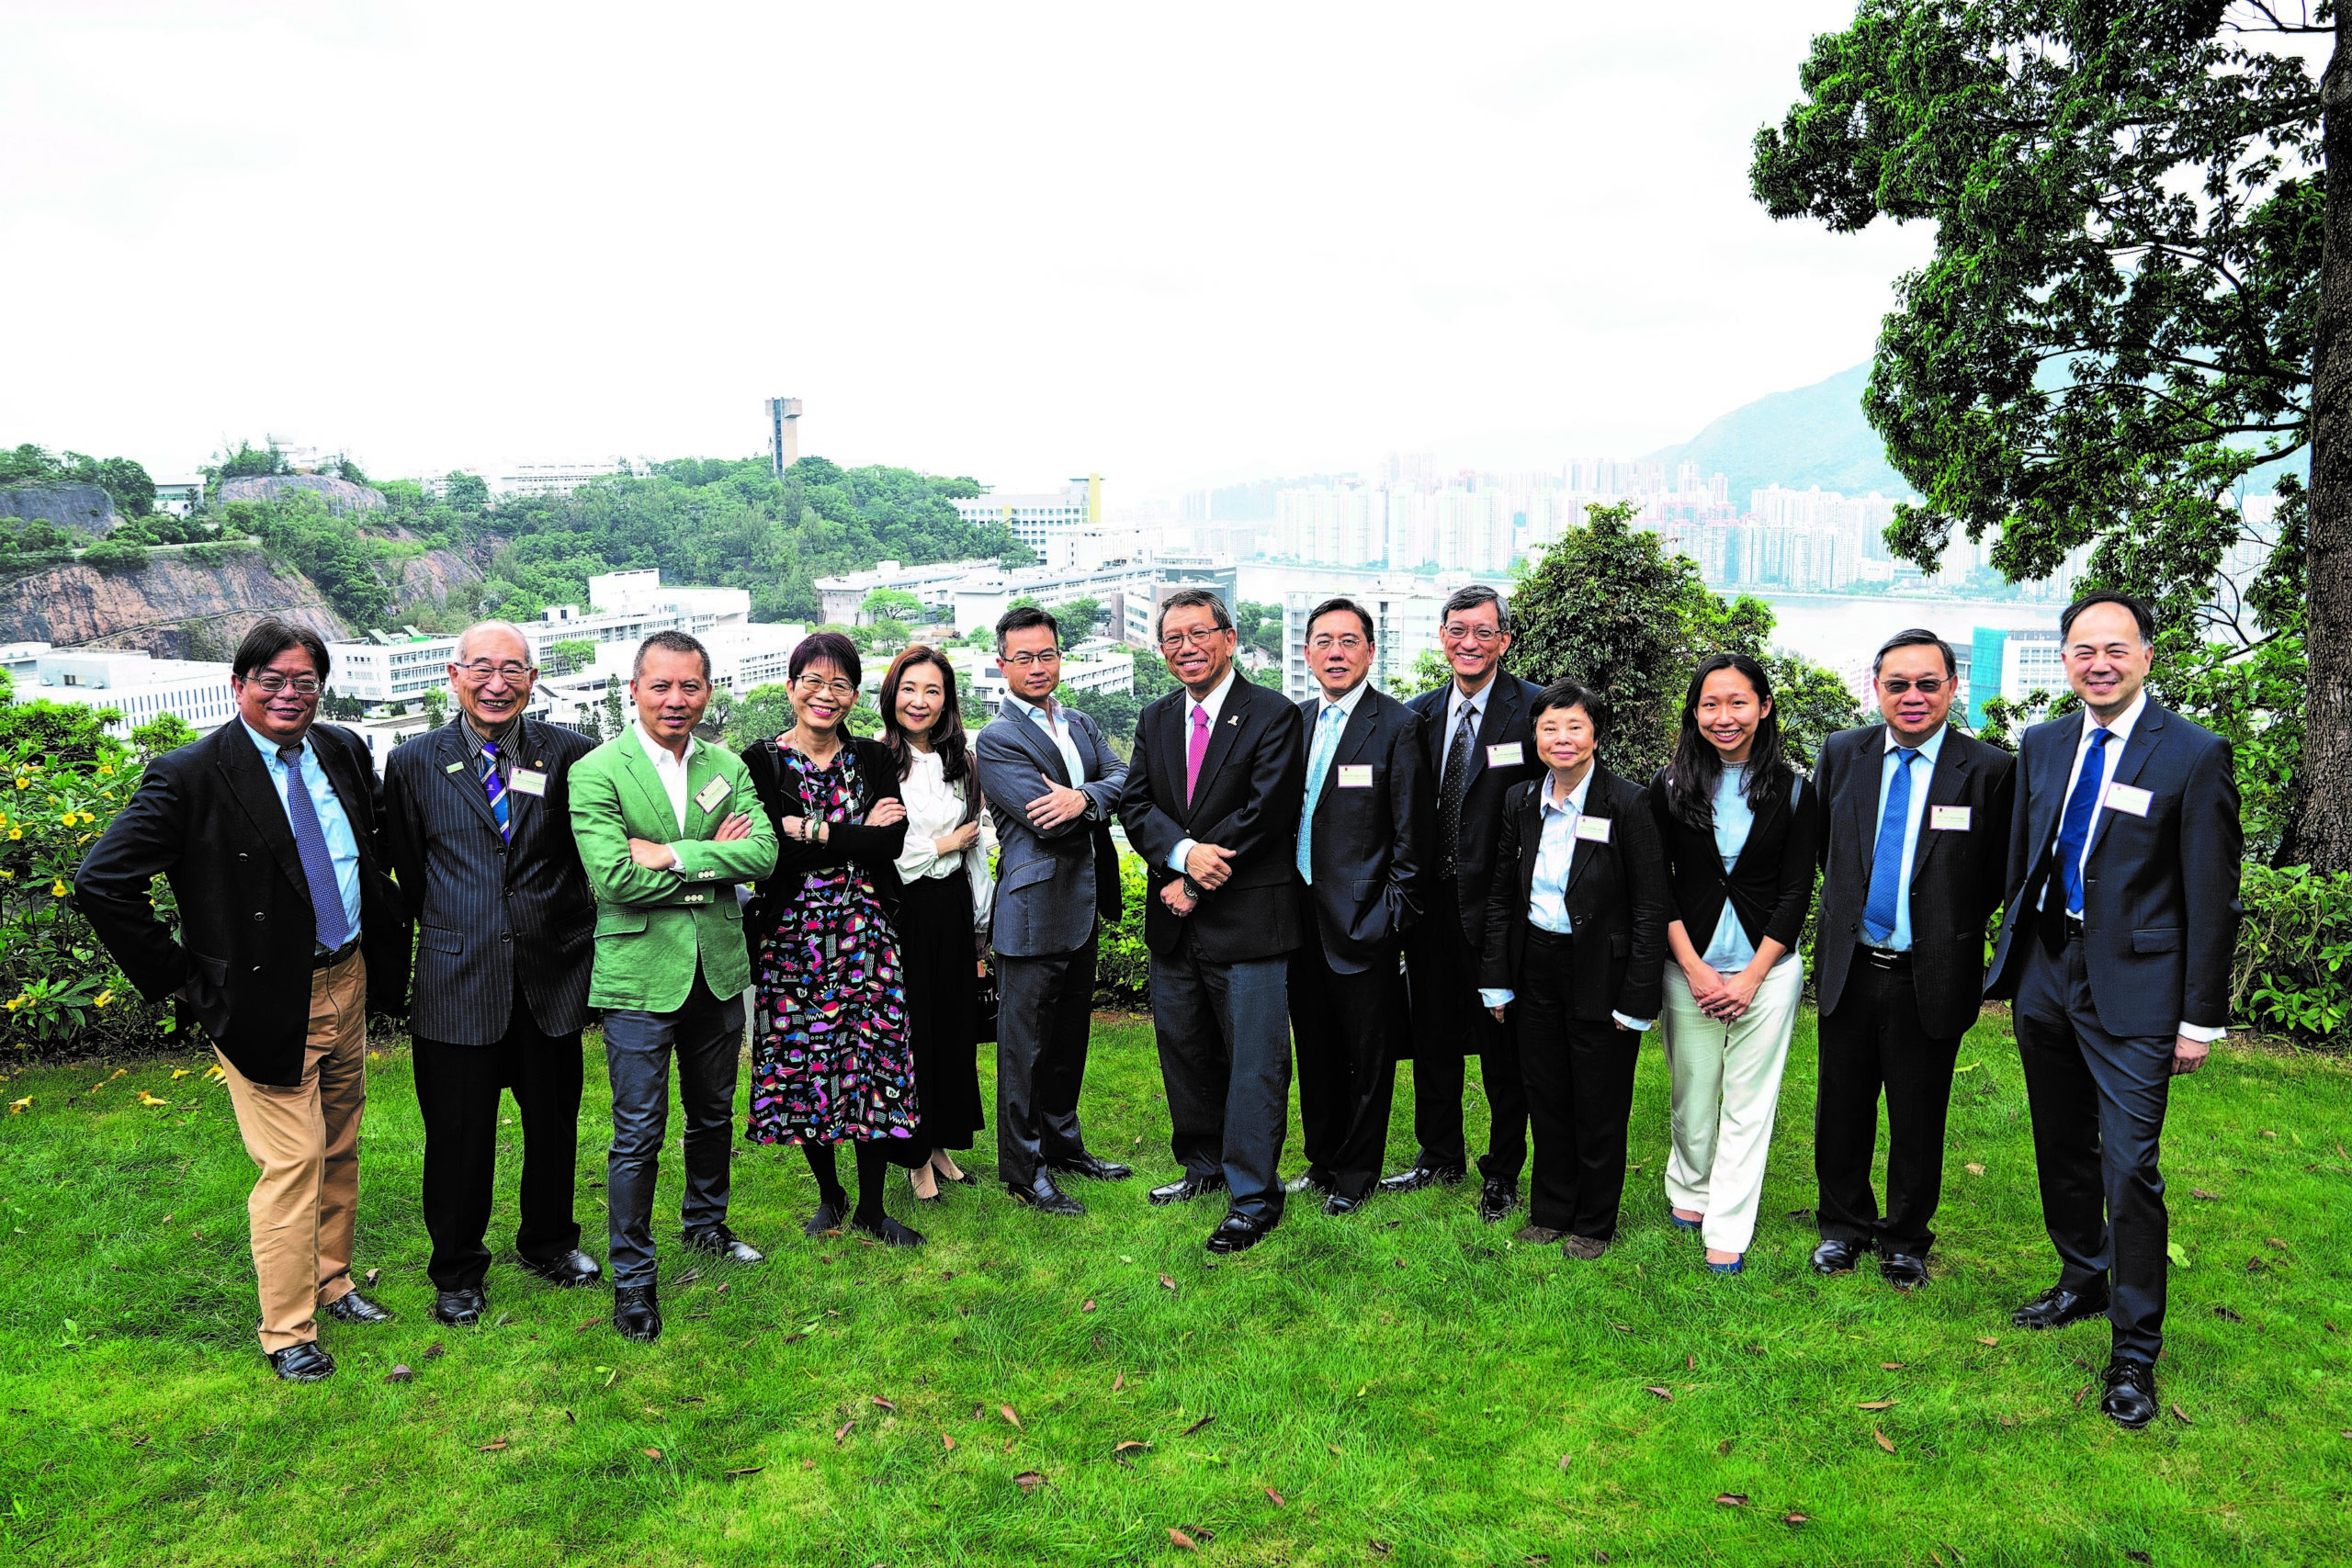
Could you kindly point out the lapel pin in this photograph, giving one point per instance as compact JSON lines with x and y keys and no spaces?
{"x":1235,"y":719}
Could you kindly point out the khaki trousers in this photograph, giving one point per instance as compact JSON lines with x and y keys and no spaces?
{"x":306,"y":1140}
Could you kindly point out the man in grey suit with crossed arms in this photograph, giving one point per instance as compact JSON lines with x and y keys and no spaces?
{"x":1052,"y":784}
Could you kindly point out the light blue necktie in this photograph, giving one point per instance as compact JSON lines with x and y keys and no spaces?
{"x":311,"y":844}
{"x":1879,"y":912}
{"x":497,"y":787}
{"x":2074,"y":831}
{"x":1327,"y":740}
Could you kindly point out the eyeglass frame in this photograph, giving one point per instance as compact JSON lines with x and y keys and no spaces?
{"x":272,"y":684}
{"x":1462,"y":631}
{"x":1346,"y":642}
{"x":1028,"y":659}
{"x":813,"y":684}
{"x":1199,"y":637}
{"x":512,"y":671}
{"x":1897,"y":685}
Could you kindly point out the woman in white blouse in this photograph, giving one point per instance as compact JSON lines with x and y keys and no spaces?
{"x":941,"y":937}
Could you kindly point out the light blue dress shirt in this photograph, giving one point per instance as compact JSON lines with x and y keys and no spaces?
{"x":343,"y":846}
{"x":1547,"y":896}
{"x":1323,"y":745}
{"x":1921,"y":772}
{"x":1729,"y":951}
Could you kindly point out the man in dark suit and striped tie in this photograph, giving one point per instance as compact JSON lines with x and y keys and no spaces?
{"x":480,"y":833}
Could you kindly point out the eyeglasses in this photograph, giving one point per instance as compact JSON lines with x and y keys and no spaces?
{"x":1896,"y":686}
{"x":1326,"y":642}
{"x":302,"y":685}
{"x":816,"y":686}
{"x":510,"y":671}
{"x":1199,"y":637}
{"x":1028,"y":660}
{"x":1461,"y":633}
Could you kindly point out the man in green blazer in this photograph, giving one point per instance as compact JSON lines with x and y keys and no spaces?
{"x":667,"y":825}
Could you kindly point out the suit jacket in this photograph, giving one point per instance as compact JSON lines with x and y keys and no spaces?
{"x":1956,"y":873}
{"x":2160,"y":892}
{"x":1051,"y":883}
{"x":1770,"y":886}
{"x":1252,"y":785}
{"x":1369,"y":845}
{"x":875,"y":849}
{"x":654,"y":927}
{"x":208,"y":819}
{"x":1505,"y":721}
{"x":482,"y":900}
{"x":1616,"y":898}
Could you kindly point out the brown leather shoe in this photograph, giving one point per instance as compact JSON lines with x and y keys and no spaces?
{"x":1584,"y":1249}
{"x":1534,"y":1234}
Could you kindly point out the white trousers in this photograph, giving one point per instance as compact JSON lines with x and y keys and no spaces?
{"x":1727,"y":1092}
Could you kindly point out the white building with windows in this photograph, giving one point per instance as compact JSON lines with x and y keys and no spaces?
{"x":139,"y":686}
{"x":1404,"y":615}
{"x":1095,"y":664}
{"x":1032,"y":518}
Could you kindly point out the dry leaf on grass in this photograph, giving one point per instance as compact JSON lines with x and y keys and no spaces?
{"x":1089,"y":1301}
{"x":2226,"y":1315}
{"x":1166,"y":1284}
{"x":1982,"y":1338}
{"x":843,"y":1431}
{"x":1379,"y":1547}
{"x":2200,"y":1193}
{"x":653,"y":1453}
{"x":1974,"y":1169}
{"x":1874,"y":1403}
{"x":745,"y":1470}
{"x":1796,"y":1518}
{"x":2267,"y":1241}
{"x":1731,"y":1499}
{"x":1883,"y":1440}
{"x":398,"y":1374}
{"x":434,"y":1351}
{"x":1128,"y":1447}
{"x":1006,"y":1411}
{"x":1275,"y":1496}
{"x":2177,"y":1412}
{"x":1197,"y":1425}
{"x":1182,"y":1541}
{"x":948,"y":1441}
{"x":1723,"y":1448}
{"x":1029,"y":1480}
{"x":1660,"y":1390}
{"x":1890,"y":1366}
{"x":492,"y":1448}
{"x":373,"y":1275}
{"x":882,"y":1403}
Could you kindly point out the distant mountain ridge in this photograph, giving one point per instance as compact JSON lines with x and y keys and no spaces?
{"x":1814,"y":435}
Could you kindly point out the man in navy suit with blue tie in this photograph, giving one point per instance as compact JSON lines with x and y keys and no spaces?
{"x":2122,"y":913}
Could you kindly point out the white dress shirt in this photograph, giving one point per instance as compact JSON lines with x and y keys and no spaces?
{"x":935,"y":809}
{"x":1053,"y":718}
{"x":1214,"y":704}
{"x":1547,"y":896}
{"x":1454,"y":703}
{"x":1923,"y":768}
{"x":671,"y":772}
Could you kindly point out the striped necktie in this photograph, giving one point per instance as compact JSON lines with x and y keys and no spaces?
{"x":330,"y":926}
{"x":497,"y":787}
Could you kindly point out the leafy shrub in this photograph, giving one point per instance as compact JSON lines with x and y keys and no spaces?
{"x":1123,"y":967}
{"x":2292,"y":949}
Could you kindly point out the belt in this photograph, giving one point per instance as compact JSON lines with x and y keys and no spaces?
{"x":2073,"y":928}
{"x":1882,"y":957}
{"x":322,"y":959}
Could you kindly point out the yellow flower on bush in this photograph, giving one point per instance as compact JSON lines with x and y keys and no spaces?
{"x":105,"y":769}
{"x":15,"y":1003}
{"x":103,"y":998}
{"x":15,"y":833}
{"x":24,"y":783}
{"x":57,"y":888}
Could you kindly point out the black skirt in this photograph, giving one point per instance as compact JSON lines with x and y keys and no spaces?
{"x":935,"y":943}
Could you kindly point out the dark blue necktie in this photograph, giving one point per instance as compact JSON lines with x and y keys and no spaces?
{"x":497,"y":787}
{"x":1881,"y":910}
{"x":2075,"y":831}
{"x":310,"y":843}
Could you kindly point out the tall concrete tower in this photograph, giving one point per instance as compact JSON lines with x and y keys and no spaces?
{"x":784,"y":433}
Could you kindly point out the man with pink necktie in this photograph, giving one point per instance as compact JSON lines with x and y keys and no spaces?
{"x":1212,"y":801}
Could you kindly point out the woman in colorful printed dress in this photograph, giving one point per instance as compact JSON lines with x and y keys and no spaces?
{"x":831,"y":1057}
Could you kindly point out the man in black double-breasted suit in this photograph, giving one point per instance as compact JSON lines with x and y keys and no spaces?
{"x":1360,"y":847}
{"x":1916,"y":846}
{"x":478,"y":819}
{"x":1478,"y":744}
{"x":2122,"y":912}
{"x":1212,"y":803}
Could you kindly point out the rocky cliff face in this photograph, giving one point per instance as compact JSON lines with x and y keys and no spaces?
{"x":83,"y":507}
{"x":185,"y":604}
{"x":341,"y":495}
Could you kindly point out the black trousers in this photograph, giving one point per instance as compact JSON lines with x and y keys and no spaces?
{"x":2099,"y":1117}
{"x":1043,"y":1008}
{"x":1873,"y":1041}
{"x":1449,"y":1024}
{"x":457,"y":1090}
{"x":1222,"y":1031}
{"x":1345,"y":1029}
{"x":1580,"y":1087}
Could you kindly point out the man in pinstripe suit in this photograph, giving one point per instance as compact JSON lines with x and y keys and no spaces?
{"x":480,"y":829}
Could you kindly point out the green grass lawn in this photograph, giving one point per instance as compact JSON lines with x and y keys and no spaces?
{"x":1406,"y":1385}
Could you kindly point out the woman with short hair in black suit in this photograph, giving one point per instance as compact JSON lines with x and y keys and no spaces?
{"x":1576,"y":939}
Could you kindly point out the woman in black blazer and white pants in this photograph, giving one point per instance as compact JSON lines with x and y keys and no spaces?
{"x":1740,"y":828}
{"x":1575,"y":937}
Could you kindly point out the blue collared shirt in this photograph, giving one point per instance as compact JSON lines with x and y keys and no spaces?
{"x":1922,"y":769}
{"x":342,"y":845}
{"x":1547,"y":894}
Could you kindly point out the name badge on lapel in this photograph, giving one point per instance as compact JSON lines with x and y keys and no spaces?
{"x":1595,"y":828}
{"x":1355,"y":776}
{"x":1510,"y":754}
{"x":2129,"y":798}
{"x":529,"y":781}
{"x":1951,"y":818}
{"x":711,"y":794}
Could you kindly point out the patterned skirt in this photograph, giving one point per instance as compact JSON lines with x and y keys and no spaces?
{"x":831,"y":1057}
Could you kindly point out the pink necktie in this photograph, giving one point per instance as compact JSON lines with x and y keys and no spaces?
{"x":1194,"y":749}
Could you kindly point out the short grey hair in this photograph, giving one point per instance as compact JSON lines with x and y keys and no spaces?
{"x":466,"y":638}
{"x":1470,"y":598}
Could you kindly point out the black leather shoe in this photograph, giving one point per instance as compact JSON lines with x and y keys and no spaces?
{"x":1337,"y":1205}
{"x":1308,"y":1180}
{"x":635,"y":1314}
{"x":825,"y":1220}
{"x":724,"y":1243}
{"x":1046,"y":1199}
{"x":2056,"y":1307}
{"x":1903,"y":1271}
{"x":352,"y":1307}
{"x":570,"y":1271}
{"x":460,"y":1309}
{"x":1190,"y":1188}
{"x":302,"y":1363}
{"x":1239,"y":1232}
{"x":1422,"y":1176}
{"x":2129,"y":1396}
{"x":1836,"y":1256}
{"x":1092,"y":1166}
{"x":1496,"y":1198}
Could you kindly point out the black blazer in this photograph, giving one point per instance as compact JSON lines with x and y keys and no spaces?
{"x":1506,"y":721}
{"x":1616,"y":898}
{"x":1252,"y":784}
{"x":1368,"y":847}
{"x":2160,"y":892}
{"x":481,"y":901}
{"x":1769,"y":886}
{"x":1955,"y":873}
{"x":875,"y":849}
{"x":207,"y":817}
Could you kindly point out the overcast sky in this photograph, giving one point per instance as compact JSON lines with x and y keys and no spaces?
{"x":1019,"y":242}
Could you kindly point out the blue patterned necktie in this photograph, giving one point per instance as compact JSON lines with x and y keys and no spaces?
{"x":1327,"y":740}
{"x":497,"y":787}
{"x":310,"y":843}
{"x":2074,"y":831}
{"x":1881,"y":910}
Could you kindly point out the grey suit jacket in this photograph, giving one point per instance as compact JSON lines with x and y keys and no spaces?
{"x":1049,"y":885}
